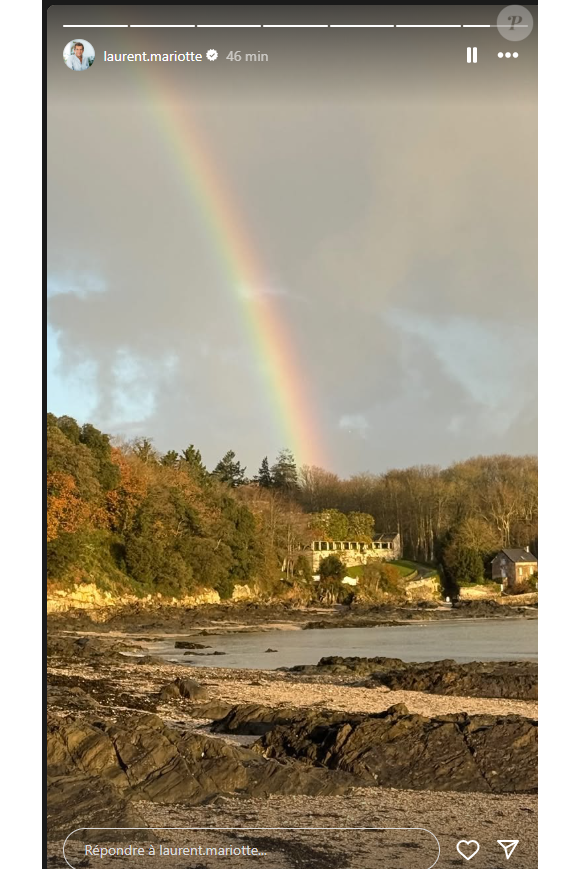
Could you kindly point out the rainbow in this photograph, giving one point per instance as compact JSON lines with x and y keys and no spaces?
{"x":286,"y":383}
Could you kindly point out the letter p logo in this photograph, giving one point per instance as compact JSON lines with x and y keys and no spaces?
{"x":515,"y":23}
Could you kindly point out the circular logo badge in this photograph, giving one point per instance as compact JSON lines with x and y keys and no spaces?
{"x":515,"y":23}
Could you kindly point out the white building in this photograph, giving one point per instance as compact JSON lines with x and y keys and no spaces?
{"x":384,"y":547}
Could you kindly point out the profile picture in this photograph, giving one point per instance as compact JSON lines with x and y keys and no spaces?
{"x":79,"y":55}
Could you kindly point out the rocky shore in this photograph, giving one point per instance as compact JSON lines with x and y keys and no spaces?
{"x":515,"y":679}
{"x":127,"y":732}
{"x":249,"y":616}
{"x":98,"y":770}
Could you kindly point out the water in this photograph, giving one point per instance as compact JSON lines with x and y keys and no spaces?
{"x":469,"y":640}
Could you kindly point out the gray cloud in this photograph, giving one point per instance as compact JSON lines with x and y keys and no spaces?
{"x":399,"y":244}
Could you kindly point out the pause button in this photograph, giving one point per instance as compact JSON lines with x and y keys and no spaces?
{"x":469,"y":54}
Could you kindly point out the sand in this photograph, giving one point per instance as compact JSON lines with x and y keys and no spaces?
{"x":449,"y":816}
{"x":271,"y":688}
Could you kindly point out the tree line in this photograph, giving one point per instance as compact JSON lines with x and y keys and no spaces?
{"x":457,"y":518}
{"x":125,"y":515}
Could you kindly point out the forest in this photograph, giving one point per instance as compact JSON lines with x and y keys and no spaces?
{"x":128,"y":518}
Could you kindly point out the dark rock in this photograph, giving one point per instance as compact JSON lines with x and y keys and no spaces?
{"x":186,"y":644}
{"x":400,"y":750}
{"x":513,"y":679}
{"x":213,"y":709}
{"x":106,"y":693}
{"x":506,"y":752}
{"x":125,"y":647}
{"x":97,"y":770}
{"x":271,"y":650}
{"x":357,"y":666}
{"x":397,"y":709}
{"x":479,"y":609}
{"x":87,"y":801}
{"x":91,"y":647}
{"x":252,"y":719}
{"x":517,"y":680}
{"x":186,"y":688}
{"x":170,"y":692}
{"x":74,"y":698}
{"x":191,"y":690}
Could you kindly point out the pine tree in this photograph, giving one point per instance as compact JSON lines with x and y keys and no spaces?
{"x":191,"y":459}
{"x":144,"y":450}
{"x":229,"y":471}
{"x":264,"y":477}
{"x":170,"y":459}
{"x":100,"y":446}
{"x":284,"y":472}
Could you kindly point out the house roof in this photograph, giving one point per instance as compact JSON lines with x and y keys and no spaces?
{"x":390,"y":536}
{"x":519,"y":556}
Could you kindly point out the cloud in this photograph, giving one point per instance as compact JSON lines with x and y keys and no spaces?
{"x":77,"y":282}
{"x":354,"y":424}
{"x":398,"y":249}
{"x":494,"y":361}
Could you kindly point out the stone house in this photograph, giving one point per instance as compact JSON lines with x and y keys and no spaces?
{"x":385,"y":547}
{"x":513,"y":567}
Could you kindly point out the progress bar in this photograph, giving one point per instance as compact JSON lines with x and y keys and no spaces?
{"x":288,"y":26}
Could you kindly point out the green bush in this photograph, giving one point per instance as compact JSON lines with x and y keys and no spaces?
{"x":331,"y":567}
{"x":380,"y":578}
{"x":302,"y":569}
{"x":331,"y":590}
{"x":462,"y":565}
{"x":63,"y":554}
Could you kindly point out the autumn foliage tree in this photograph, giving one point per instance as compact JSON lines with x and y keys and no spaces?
{"x":77,"y":471}
{"x":66,"y":511}
{"x":128,"y":516}
{"x":379,"y":578}
{"x":158,"y":524}
{"x":131,"y":490}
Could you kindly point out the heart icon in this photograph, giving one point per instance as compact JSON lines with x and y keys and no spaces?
{"x":474,"y":849}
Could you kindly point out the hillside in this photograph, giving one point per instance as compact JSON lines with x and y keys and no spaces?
{"x":128,"y":520}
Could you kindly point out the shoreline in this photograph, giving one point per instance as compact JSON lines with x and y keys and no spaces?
{"x":293,"y":626}
{"x":224,"y":619}
{"x":143,"y":742}
{"x":279,"y":689}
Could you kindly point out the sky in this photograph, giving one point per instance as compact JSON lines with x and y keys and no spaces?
{"x":391,"y":210}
